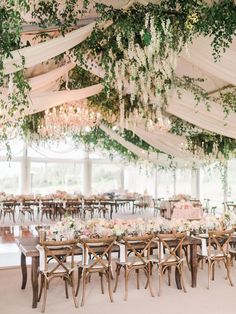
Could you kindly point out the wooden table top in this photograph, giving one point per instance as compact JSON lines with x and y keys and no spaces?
{"x":28,"y":245}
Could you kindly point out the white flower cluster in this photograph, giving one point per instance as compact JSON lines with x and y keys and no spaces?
{"x":146,"y":72}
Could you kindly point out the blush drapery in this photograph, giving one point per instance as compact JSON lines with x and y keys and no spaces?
{"x":46,"y":50}
{"x":213,"y":120}
{"x":200,"y":55}
{"x":171,"y":144}
{"x":160,"y":159}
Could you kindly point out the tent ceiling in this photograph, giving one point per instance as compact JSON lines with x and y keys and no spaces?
{"x":196,"y":62}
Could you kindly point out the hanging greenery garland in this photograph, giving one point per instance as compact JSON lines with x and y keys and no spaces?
{"x":139,"y":59}
{"x":204,"y":144}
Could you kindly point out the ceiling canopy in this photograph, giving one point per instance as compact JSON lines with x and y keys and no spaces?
{"x":169,"y":79}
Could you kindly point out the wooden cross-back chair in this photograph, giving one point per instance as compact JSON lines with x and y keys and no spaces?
{"x":135,"y":256}
{"x":170,"y":253}
{"x":218,"y":250}
{"x":27,"y":208}
{"x":9,"y":207}
{"x":96,"y":258}
{"x":57,"y":260}
{"x":156,"y":206}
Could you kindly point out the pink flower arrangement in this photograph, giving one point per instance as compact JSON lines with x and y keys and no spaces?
{"x":70,"y":227}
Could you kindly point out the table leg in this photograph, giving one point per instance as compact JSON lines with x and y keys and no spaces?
{"x":23,"y":270}
{"x":193,"y":264}
{"x":34,"y":280}
{"x":111,"y":211}
{"x":132,"y":207}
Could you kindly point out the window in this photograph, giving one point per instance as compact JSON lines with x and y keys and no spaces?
{"x":183,"y":181}
{"x":140,"y":180}
{"x":231,"y":195}
{"x":105,"y":177}
{"x":9,"y":177}
{"x":50,"y":177}
{"x":212,"y":186}
{"x":165,"y":183}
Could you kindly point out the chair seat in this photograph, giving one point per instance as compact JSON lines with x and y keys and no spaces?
{"x":157,"y":260}
{"x":60,"y":269}
{"x":134,"y":260}
{"x":213,"y":254}
{"x":232,"y":251}
{"x":97,"y":266}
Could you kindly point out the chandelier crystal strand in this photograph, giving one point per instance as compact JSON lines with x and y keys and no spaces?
{"x":68,"y":119}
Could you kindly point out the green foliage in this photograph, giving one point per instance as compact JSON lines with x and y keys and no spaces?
{"x":215,"y":145}
{"x":188,"y":19}
{"x":97,"y":138}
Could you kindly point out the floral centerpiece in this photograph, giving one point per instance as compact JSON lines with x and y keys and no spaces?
{"x":67,"y":228}
{"x":181,"y":196}
{"x":228,"y":220}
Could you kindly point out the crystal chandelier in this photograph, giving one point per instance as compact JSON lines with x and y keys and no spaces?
{"x":67,"y":120}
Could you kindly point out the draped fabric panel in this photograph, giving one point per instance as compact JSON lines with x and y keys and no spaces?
{"x":200,"y":54}
{"x":41,"y":101}
{"x":171,"y":144}
{"x":47,"y":100}
{"x":41,"y":82}
{"x":156,"y":158}
{"x":213,"y":120}
{"x":46,"y":81}
{"x":44,"y":51}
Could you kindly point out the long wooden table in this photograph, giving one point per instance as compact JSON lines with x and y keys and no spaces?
{"x":28,"y":249}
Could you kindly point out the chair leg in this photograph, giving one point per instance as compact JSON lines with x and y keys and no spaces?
{"x":160,"y":280}
{"x":149,"y":278}
{"x":66,"y":287}
{"x":44,"y":296}
{"x":227,"y":266}
{"x":169,"y":276}
{"x":186,"y":251}
{"x":78,"y":283}
{"x":138,"y":285}
{"x":126,"y":283}
{"x":117,"y":277}
{"x":84,"y":287}
{"x":41,"y":287}
{"x":102,"y":286}
{"x":73,"y":290}
{"x":182,"y":277}
{"x":213,"y":271}
{"x":109,"y":285}
{"x":209,"y":274}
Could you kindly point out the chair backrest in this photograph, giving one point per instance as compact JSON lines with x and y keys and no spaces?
{"x":228,"y":206}
{"x":171,"y":244}
{"x":220,"y":241}
{"x":57,"y":252}
{"x":96,"y":252}
{"x":157,"y":202}
{"x":138,"y":245}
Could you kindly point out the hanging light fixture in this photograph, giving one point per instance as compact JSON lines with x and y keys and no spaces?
{"x":68,"y":119}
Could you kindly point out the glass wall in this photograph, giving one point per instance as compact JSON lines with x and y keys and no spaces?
{"x":165,"y":183}
{"x":211,"y":185}
{"x":231,"y":193}
{"x":62,"y":169}
{"x":140,"y":180}
{"x":50,"y":177}
{"x":106,"y":177}
{"x":9,"y":177}
{"x":183,"y":181}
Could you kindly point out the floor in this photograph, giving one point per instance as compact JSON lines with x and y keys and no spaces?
{"x":220,"y":299}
